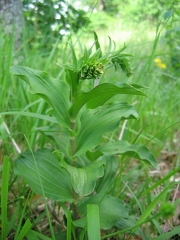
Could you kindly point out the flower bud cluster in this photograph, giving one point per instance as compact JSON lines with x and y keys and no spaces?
{"x":92,"y":70}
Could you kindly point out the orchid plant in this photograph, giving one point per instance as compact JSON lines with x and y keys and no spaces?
{"x":80,"y":174}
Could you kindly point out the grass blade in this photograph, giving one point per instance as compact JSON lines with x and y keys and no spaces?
{"x":30,"y":115}
{"x":69,"y":225}
{"x":24,"y":230}
{"x":35,"y":234}
{"x":163,"y":180}
{"x":4,"y":195}
{"x":150,"y":208}
{"x":93,"y":223}
{"x":167,"y":235}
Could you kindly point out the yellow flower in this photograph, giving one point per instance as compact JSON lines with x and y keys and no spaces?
{"x":159,"y":63}
{"x":157,"y":60}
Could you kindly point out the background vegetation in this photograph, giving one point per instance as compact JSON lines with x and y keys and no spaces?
{"x":151,"y":31}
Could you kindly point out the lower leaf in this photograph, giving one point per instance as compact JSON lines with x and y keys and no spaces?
{"x":44,"y":175}
{"x":111,"y":209}
{"x":84,"y":179}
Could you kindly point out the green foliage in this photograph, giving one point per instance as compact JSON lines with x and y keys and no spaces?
{"x":49,"y":20}
{"x":172,"y":37}
{"x":143,"y":10}
{"x":82,"y":171}
{"x":6,"y":47}
{"x":99,"y":21}
{"x":137,"y":11}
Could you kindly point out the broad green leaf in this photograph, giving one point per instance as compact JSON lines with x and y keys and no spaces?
{"x":125,"y":223}
{"x":111,"y":209}
{"x":101,"y":94}
{"x":93,"y":223}
{"x":44,"y":175}
{"x":59,"y":136}
{"x":94,"y":124}
{"x":54,"y":91}
{"x":72,"y":79}
{"x":105,"y":183}
{"x":84,"y":179}
{"x":133,"y":150}
{"x":93,"y":155}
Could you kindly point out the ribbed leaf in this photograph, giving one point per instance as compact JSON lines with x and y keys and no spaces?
{"x":104,"y":183}
{"x":111,"y":209}
{"x":101,"y":94}
{"x":130,"y":222}
{"x":124,"y":148}
{"x":54,"y":91}
{"x":94,"y":124}
{"x":72,"y":79}
{"x":84,"y":179}
{"x":44,"y":175}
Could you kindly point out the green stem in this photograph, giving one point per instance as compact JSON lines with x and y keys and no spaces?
{"x":74,"y":163}
{"x":72,"y":138}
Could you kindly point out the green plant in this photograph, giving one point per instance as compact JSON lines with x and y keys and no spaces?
{"x":85,"y":119}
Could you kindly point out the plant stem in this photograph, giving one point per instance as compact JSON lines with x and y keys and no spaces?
{"x":72,"y":138}
{"x":74,"y":163}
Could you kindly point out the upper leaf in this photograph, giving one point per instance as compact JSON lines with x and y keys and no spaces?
{"x":94,"y":124}
{"x":54,"y":91}
{"x":101,"y":94}
{"x":44,"y":175}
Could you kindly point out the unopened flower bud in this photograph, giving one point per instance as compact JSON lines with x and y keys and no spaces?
{"x":92,"y":70}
